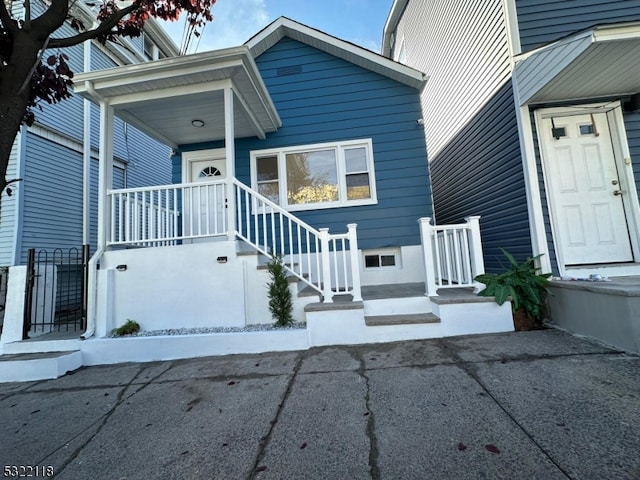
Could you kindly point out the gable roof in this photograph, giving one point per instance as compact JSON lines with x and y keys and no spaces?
{"x":285,"y":27}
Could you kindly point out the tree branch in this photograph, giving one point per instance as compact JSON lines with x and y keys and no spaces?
{"x":5,"y":18}
{"x":51,"y":19}
{"x":102,"y":29}
{"x":27,"y":80}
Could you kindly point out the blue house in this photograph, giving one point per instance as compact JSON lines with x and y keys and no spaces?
{"x":531,"y":119}
{"x":296,"y":144}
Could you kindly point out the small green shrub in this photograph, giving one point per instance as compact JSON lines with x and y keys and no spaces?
{"x":129,"y":327}
{"x":280,"y":301}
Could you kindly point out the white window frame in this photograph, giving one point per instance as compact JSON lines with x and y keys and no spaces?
{"x":339,"y":148}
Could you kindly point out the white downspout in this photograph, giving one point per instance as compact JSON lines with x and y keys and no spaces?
{"x":105,"y":182}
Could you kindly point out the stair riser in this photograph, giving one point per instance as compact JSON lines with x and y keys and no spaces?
{"x":397,"y":306}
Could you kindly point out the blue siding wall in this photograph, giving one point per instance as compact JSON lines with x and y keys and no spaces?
{"x":332,"y":100}
{"x":632,"y":126}
{"x":480,"y":173}
{"x":544,"y":21}
{"x":52,"y":215}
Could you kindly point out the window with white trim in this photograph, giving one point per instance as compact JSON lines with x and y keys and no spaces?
{"x":324,"y":175}
{"x":381,"y":259}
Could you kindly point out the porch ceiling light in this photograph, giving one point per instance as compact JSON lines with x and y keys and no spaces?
{"x":197,"y":123}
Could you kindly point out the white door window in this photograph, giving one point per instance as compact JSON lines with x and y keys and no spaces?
{"x":204,"y":200}
{"x":584,"y":190}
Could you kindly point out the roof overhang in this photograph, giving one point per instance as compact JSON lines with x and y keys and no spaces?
{"x":163,"y":97}
{"x":285,"y":27}
{"x":598,"y":63}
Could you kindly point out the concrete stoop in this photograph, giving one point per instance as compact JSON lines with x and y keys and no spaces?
{"x":23,"y":367}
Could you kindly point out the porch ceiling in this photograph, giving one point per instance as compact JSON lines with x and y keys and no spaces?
{"x":163,"y":97}
{"x":598,"y":63}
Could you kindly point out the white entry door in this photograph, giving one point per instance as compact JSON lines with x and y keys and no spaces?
{"x":205,"y":204}
{"x":584,"y":190}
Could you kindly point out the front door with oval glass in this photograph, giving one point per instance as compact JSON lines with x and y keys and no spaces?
{"x":584,"y":190}
{"x":204,"y":199}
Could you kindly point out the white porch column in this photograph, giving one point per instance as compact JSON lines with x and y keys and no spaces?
{"x":230,"y":155}
{"x":355,"y":262}
{"x":105,"y":178}
{"x":477,"y":258}
{"x":86,"y":156}
{"x":325,"y":268}
{"x":426,"y":234}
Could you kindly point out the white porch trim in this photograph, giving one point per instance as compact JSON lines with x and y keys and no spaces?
{"x":105,"y":176}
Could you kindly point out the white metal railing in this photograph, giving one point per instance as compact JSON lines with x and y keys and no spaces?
{"x":327,"y":263}
{"x":452,"y":253}
{"x":162,"y":215}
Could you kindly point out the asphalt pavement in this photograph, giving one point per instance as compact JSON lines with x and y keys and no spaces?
{"x":528,"y":405}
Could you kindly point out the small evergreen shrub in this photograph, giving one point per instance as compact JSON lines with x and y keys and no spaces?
{"x":280,"y":301}
{"x":129,"y":327}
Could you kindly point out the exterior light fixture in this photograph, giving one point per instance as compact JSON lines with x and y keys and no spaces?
{"x":197,"y":123}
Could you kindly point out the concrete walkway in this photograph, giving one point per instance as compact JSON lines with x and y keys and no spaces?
{"x":537,"y":405}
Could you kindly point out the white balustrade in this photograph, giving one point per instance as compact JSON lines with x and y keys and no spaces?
{"x":452,"y":253}
{"x":162,"y":215}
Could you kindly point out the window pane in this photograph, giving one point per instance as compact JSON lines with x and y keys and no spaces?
{"x":267,"y":168}
{"x":388,"y":260}
{"x":270,"y":190}
{"x":356,"y":159}
{"x":312,"y":177}
{"x":371,"y":261}
{"x":358,"y":186}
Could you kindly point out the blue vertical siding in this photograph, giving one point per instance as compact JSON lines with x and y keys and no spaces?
{"x":479,"y":172}
{"x":333,"y":100}
{"x":544,"y":21}
{"x":632,"y":127}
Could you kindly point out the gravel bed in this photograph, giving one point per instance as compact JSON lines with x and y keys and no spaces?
{"x":267,"y":327}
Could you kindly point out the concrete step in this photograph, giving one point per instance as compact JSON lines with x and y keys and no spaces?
{"x":24,"y":367}
{"x":406,"y":319}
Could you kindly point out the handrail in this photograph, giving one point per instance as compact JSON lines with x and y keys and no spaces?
{"x":327,"y":263}
{"x":165,"y":187}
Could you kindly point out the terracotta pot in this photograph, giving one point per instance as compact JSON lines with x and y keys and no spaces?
{"x":522,"y":321}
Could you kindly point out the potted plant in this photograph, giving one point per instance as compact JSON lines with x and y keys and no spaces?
{"x":526,"y":288}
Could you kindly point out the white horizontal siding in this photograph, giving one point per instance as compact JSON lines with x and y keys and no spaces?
{"x":462,"y":46}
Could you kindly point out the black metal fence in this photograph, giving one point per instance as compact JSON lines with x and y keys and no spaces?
{"x":56,"y":293}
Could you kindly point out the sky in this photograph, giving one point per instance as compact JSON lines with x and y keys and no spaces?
{"x":235,"y":21}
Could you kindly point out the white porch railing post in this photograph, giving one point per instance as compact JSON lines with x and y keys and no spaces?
{"x":477,"y":259}
{"x":354,"y":256}
{"x":426,"y":234}
{"x":325,"y":258}
{"x":229,"y":145}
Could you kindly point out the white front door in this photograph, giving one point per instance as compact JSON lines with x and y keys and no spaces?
{"x":584,"y":190}
{"x":205,"y":204}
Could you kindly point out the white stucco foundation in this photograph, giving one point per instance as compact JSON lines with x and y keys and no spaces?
{"x":188,"y":286}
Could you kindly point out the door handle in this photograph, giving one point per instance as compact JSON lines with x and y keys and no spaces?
{"x":617,"y":193}
{"x":614,"y":182}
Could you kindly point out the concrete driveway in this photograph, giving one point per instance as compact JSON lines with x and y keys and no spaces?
{"x":538,"y":405}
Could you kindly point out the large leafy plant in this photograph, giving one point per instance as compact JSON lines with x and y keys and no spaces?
{"x":520,"y":281}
